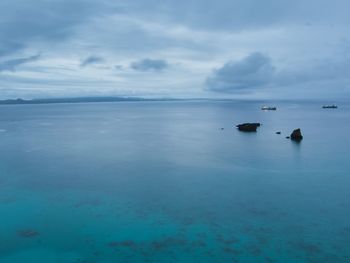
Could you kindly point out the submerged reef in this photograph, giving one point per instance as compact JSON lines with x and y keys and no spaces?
{"x":28,"y":233}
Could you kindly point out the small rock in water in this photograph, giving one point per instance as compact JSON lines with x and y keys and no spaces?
{"x":278,"y":132}
{"x":287,"y":137}
{"x":296,"y":135}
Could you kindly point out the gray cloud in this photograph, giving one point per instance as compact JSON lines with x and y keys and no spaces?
{"x":12,"y":64}
{"x":251,"y":72}
{"x":245,"y":14}
{"x":91,"y":60}
{"x":8,"y":47}
{"x":326,"y":70}
{"x":149,"y":64}
{"x":257,"y":72}
{"x":24,"y":22}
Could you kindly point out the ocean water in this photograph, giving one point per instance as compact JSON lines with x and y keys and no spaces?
{"x":161,"y":182}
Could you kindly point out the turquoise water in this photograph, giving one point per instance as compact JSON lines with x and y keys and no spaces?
{"x":161,"y":182}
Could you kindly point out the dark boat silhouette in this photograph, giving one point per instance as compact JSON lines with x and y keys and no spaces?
{"x":268,"y":108}
{"x":330,"y":106}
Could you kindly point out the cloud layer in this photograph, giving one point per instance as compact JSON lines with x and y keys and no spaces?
{"x":13,"y":64}
{"x":24,"y":23}
{"x":149,"y":64}
{"x":192,"y":48}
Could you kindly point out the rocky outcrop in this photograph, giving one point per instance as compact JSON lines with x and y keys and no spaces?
{"x":296,"y":135}
{"x":248,"y":127}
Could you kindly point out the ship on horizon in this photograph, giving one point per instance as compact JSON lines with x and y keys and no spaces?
{"x":330,"y":106}
{"x":268,"y":108}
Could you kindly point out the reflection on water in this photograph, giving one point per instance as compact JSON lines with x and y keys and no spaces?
{"x":162,"y":182}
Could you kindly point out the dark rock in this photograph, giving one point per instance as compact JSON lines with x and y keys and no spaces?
{"x":296,"y":135}
{"x":287,"y":137}
{"x":248,"y":127}
{"x":278,"y":132}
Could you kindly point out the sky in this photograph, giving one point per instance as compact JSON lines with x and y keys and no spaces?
{"x":250,"y":49}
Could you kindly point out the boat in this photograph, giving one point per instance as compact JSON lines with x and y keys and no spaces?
{"x":330,"y":106}
{"x":268,"y":108}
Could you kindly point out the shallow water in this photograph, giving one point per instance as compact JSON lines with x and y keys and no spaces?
{"x":161,"y":182}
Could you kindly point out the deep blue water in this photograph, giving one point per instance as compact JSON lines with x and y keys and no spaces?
{"x":161,"y":182}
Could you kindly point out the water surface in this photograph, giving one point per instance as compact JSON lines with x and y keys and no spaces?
{"x":162,"y":182}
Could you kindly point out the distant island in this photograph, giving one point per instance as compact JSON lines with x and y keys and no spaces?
{"x":77,"y":100}
{"x":126,"y":99}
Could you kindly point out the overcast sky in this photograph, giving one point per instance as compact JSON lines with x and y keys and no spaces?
{"x":183,"y":48}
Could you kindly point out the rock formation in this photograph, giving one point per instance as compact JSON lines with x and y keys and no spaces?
{"x":248,"y":127}
{"x":296,"y":135}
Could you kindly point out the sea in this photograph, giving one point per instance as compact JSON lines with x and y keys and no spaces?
{"x":174,"y":181}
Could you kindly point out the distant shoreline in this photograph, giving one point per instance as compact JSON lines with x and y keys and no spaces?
{"x":20,"y":101}
{"x":77,"y":100}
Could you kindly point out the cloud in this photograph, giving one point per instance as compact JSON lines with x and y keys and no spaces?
{"x":257,"y":73}
{"x":12,"y":64}
{"x":241,"y":15}
{"x":91,"y":60}
{"x":249,"y":73}
{"x":149,"y":65}
{"x":24,"y":23}
{"x":8,"y":47}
